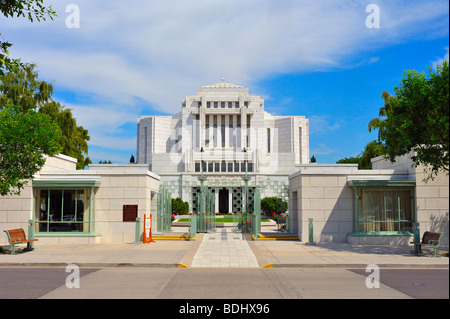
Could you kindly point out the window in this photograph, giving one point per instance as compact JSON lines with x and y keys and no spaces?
{"x":197,"y":167}
{"x":216,"y":105}
{"x":223,"y":167}
{"x":204,"y":166}
{"x":208,"y":105}
{"x":222,"y":105}
{"x":230,"y":105}
{"x":230,"y":167}
{"x":207,"y":135}
{"x":268,"y":140}
{"x":222,"y":133}
{"x":62,"y":210}
{"x":384,"y":210}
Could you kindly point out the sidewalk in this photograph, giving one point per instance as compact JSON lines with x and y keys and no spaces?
{"x":268,"y":254}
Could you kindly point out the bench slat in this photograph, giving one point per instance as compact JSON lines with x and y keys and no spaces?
{"x":17,"y":236}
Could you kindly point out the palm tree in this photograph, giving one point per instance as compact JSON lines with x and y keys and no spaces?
{"x":379,"y":122}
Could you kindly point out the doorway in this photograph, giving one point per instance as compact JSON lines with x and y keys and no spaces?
{"x":223,"y":201}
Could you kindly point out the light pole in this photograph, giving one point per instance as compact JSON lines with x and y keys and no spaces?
{"x":246,"y":179}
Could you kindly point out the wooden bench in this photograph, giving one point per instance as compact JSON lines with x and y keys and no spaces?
{"x":17,"y":236}
{"x":432,"y":240}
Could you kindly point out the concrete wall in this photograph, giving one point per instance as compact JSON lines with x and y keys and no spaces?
{"x":322,"y":193}
{"x":123,"y":186}
{"x":130,"y":184}
{"x":432,"y":195}
{"x":327,"y":199}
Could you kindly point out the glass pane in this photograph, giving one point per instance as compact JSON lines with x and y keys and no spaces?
{"x":42,"y":210}
{"x":406,"y":211}
{"x":391,"y":211}
{"x":365,"y":215}
{"x":55,"y":205}
{"x":62,"y":210}
{"x":405,"y":205}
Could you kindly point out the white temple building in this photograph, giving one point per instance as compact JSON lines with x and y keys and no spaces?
{"x":228,"y":130}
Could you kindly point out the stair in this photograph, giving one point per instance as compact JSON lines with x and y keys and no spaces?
{"x":276,"y":236}
{"x":173,"y":236}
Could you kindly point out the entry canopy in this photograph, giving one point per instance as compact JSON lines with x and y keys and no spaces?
{"x":381,"y":183}
{"x":67,"y":181}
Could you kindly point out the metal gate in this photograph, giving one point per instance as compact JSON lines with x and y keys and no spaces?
{"x":206,"y":219}
{"x":164,"y":216}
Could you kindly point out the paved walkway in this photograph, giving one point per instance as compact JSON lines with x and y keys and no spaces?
{"x":224,"y":249}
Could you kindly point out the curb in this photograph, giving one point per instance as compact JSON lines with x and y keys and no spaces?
{"x":95,"y":265}
{"x":356,"y":266}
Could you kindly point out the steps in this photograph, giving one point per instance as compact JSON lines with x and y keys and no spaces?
{"x":173,"y":236}
{"x":276,"y":236}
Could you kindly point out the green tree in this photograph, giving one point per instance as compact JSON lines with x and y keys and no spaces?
{"x":26,"y":92}
{"x":371,"y":150}
{"x":30,"y":9}
{"x":24,"y":139}
{"x":349,"y":160}
{"x":179,"y":207}
{"x":74,"y":138}
{"x":416,"y":120}
{"x":270,"y":205}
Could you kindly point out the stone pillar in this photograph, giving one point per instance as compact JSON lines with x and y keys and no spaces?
{"x":202,"y":123}
{"x":227,"y":131}
{"x":230,"y":200}
{"x":219,"y":131}
{"x":243,"y":127}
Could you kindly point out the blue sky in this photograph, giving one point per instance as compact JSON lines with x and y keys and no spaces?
{"x":311,"y":58}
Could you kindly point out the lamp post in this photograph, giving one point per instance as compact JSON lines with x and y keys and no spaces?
{"x":246,"y":179}
{"x":201,"y":197}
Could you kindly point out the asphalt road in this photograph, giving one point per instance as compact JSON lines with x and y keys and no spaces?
{"x":215,"y":283}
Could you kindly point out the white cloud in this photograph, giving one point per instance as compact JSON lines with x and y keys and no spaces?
{"x":440,"y":60}
{"x":160,"y":51}
{"x":321,"y":124}
{"x":321,"y":149}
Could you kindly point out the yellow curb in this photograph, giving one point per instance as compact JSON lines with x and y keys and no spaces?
{"x":182,"y":266}
{"x":269,"y":266}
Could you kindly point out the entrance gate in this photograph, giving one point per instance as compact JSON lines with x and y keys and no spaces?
{"x":164,"y":216}
{"x":206,"y":220}
{"x":246,"y":205}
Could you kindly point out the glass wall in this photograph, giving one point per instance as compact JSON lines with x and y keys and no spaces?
{"x":62,"y":210}
{"x":384,"y":210}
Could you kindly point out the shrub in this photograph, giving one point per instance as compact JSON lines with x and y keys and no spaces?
{"x":270,"y":205}
{"x":179,"y":207}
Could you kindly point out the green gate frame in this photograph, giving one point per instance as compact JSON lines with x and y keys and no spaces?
{"x":206,"y":219}
{"x":164,"y":216}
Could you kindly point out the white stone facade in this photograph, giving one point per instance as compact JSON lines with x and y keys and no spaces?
{"x":236,"y":135}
